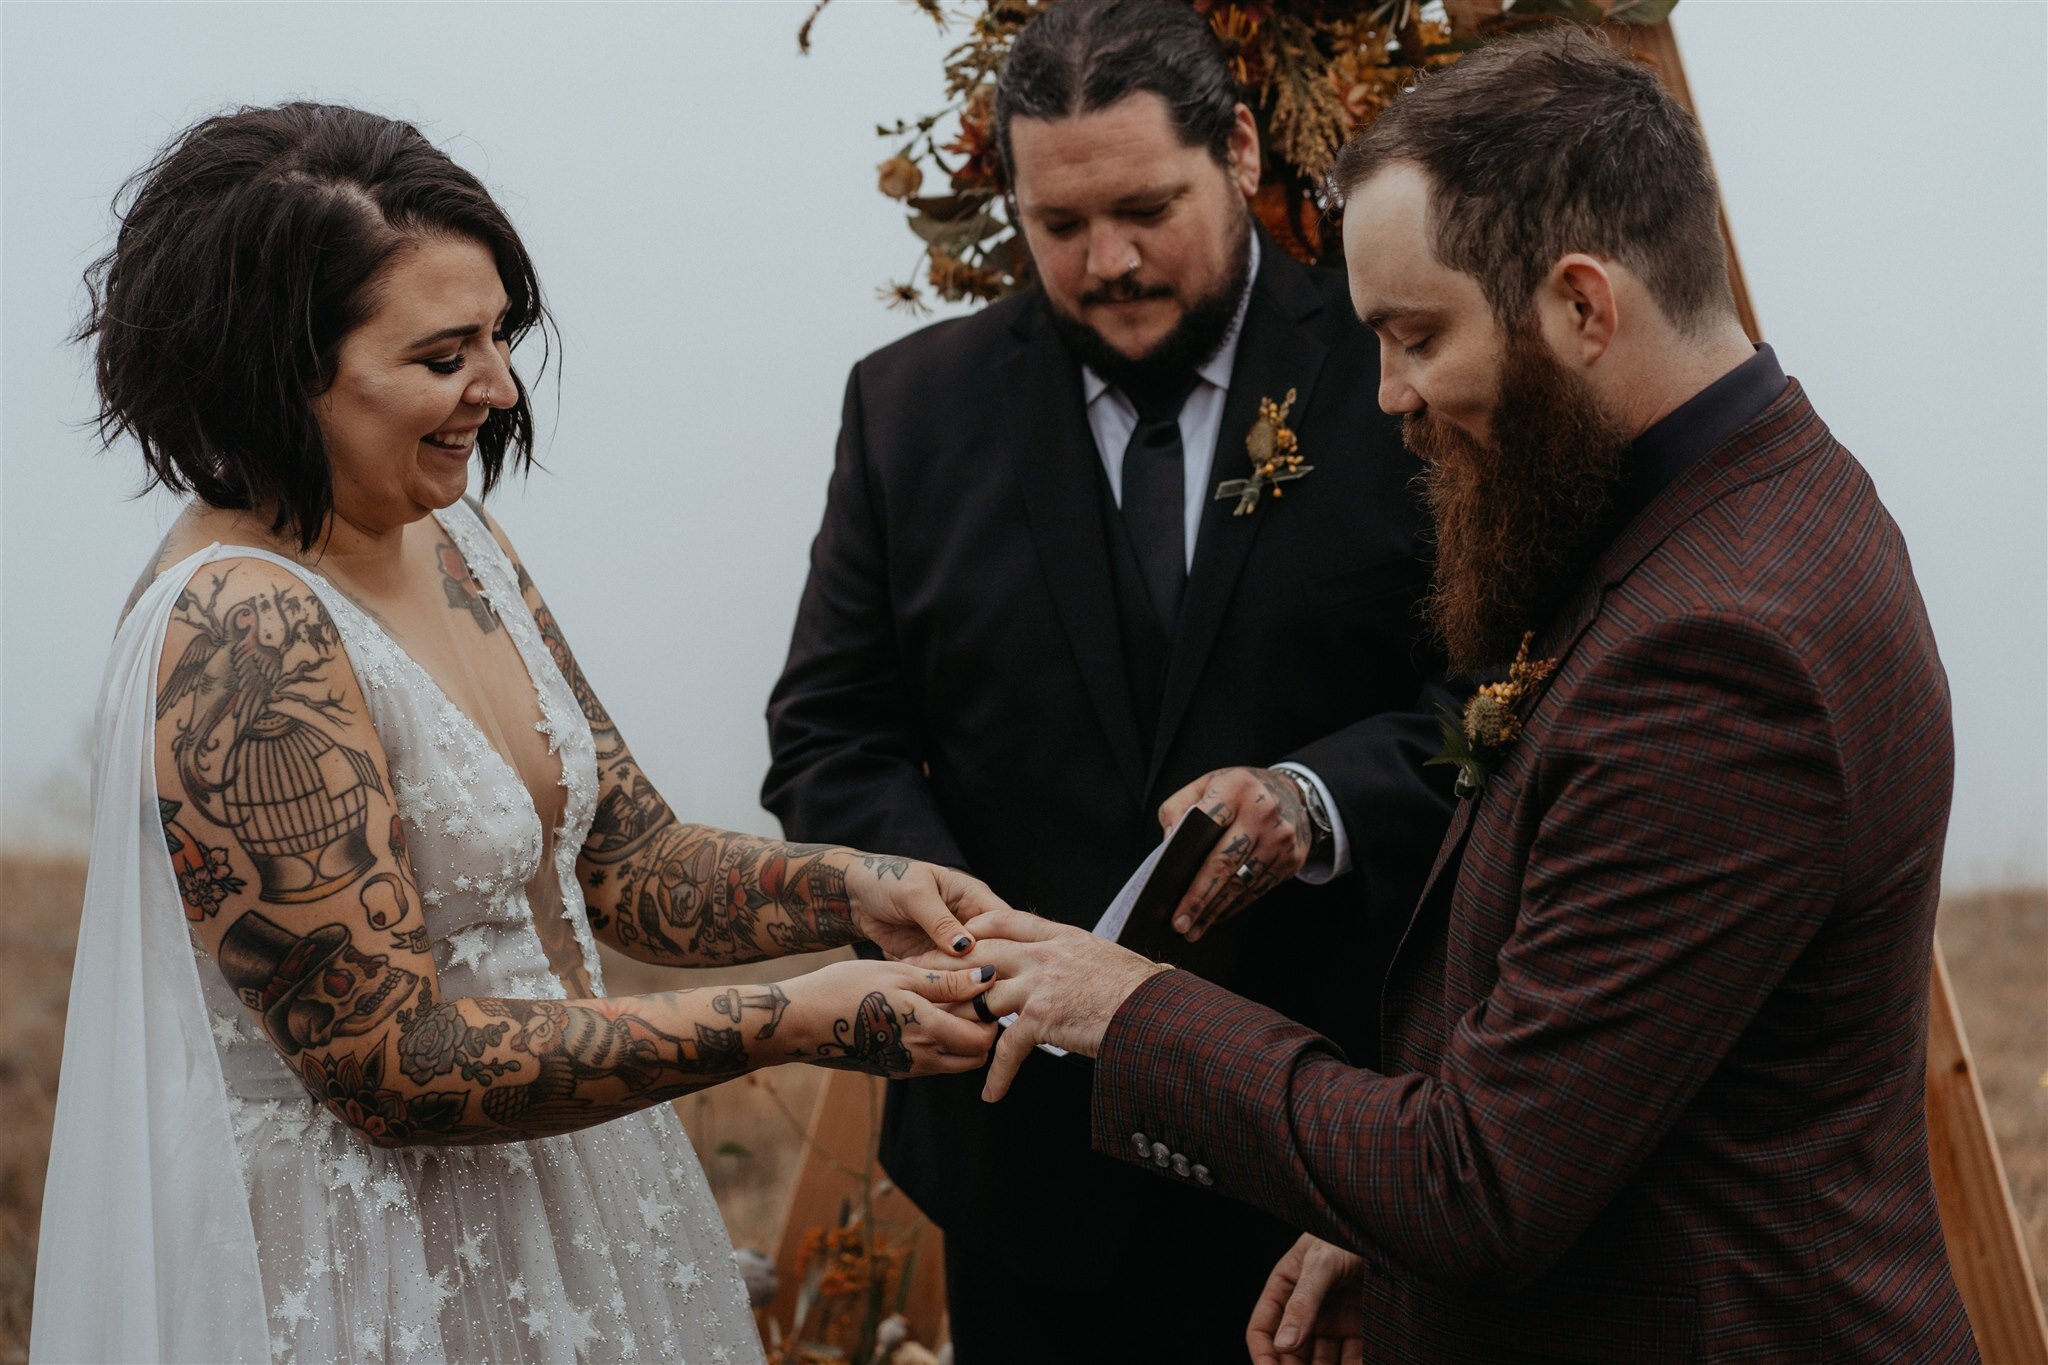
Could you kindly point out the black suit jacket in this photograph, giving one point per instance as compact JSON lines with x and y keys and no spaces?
{"x":956,"y":690}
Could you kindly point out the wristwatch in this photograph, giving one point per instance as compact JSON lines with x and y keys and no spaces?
{"x":1318,"y":813}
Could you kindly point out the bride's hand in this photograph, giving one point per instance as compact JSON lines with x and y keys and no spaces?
{"x":906,"y":908}
{"x":887,"y":1018}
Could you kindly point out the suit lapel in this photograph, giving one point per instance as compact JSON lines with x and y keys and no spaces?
{"x":1276,"y":352}
{"x":1053,"y":455}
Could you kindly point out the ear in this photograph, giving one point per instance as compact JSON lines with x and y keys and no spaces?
{"x":1243,"y":153}
{"x":1577,"y":301}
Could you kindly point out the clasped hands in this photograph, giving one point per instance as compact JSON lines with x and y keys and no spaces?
{"x":1063,"y":983}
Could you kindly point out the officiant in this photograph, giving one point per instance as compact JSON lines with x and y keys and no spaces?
{"x":1032,"y":622}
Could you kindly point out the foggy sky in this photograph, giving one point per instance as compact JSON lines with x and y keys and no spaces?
{"x":700,"y":203}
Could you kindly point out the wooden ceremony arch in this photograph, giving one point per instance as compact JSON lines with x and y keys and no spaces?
{"x":1977,"y":1212}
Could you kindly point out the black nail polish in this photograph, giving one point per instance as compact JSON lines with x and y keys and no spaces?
{"x":984,"y":974}
{"x":962,"y":944}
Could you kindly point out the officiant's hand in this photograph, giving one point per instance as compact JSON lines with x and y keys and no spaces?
{"x":1062,"y":983}
{"x":1312,"y":1309}
{"x":907,"y":908}
{"x":1266,"y":839}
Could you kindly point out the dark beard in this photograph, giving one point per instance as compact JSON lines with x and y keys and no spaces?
{"x":1517,"y":519}
{"x":1182,"y":351}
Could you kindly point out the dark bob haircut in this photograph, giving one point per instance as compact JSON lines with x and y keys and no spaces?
{"x":248,"y":249}
{"x":1539,"y":146}
{"x":1080,"y":56}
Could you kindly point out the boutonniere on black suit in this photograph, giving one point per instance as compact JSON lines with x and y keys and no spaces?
{"x":1476,"y":742}
{"x":1276,"y":457}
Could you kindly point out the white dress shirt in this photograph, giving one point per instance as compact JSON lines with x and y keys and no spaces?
{"x":1112,"y":418}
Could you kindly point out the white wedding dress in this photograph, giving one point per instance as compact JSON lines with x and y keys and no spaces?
{"x":200,"y":1206}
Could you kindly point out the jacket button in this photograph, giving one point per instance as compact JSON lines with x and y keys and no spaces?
{"x":1142,"y":1143}
{"x":1180,"y":1164}
{"x":1202,"y":1176}
{"x":1159,"y":1154}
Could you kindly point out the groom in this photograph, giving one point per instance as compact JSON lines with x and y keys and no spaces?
{"x":1654,"y":1073}
{"x":1030,"y":623}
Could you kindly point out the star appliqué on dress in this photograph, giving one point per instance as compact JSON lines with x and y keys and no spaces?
{"x":653,"y":1211}
{"x":580,"y":1329}
{"x":352,"y":1169}
{"x":467,"y":949}
{"x":292,"y":1309}
{"x":469,"y":1252}
{"x":227,"y":1030}
{"x":389,"y":1192}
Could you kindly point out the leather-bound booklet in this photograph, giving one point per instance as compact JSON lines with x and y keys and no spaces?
{"x":1147,"y":924}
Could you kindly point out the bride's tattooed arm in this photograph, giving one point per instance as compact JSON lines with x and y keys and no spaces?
{"x":664,"y":890}
{"x":295,"y":873}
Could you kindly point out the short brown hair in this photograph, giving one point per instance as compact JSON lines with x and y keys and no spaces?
{"x":1540,"y":145}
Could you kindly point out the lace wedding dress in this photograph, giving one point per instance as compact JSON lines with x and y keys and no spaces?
{"x":200,"y":1206}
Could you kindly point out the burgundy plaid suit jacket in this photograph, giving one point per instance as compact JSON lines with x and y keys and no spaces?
{"x":1656,"y":1034}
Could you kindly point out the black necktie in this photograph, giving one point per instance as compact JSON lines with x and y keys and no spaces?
{"x":1154,"y":503}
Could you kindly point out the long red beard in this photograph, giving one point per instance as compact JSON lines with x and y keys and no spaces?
{"x":1519,"y":517}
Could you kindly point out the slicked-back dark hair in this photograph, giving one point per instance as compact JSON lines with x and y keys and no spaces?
{"x":247,"y":250}
{"x":1541,"y":145}
{"x":1083,"y":55}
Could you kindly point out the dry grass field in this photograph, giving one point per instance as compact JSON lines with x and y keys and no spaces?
{"x":747,"y":1132}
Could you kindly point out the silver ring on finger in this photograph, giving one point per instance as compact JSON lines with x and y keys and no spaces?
{"x":1244,"y":874}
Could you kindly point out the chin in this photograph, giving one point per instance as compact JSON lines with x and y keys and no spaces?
{"x":1134,"y":338}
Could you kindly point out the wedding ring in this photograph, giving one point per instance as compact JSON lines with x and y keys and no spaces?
{"x":1244,"y":873}
{"x":981,"y":1009}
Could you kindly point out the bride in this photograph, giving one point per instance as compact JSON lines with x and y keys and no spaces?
{"x":340,"y":1080}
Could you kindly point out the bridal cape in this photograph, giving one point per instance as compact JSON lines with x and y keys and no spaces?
{"x":201,"y":1207}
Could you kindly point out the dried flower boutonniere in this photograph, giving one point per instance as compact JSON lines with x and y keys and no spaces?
{"x":1493,"y":719}
{"x":1276,"y":457}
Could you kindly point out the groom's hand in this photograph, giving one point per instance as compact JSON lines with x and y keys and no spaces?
{"x":1267,"y":836}
{"x":1062,"y":983}
{"x":907,"y":908}
{"x":1312,"y":1308}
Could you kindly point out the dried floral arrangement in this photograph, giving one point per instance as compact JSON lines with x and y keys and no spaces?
{"x":1313,"y":73}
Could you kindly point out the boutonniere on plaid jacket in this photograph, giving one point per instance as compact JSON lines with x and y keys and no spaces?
{"x":1276,"y":457}
{"x":1476,"y":742}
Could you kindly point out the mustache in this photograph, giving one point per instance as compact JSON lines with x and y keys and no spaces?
{"x":1126,"y":290}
